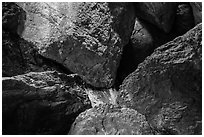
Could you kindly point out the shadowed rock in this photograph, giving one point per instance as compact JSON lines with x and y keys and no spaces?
{"x":161,"y":14}
{"x":167,"y":87}
{"x":42,"y":103}
{"x":197,"y":11}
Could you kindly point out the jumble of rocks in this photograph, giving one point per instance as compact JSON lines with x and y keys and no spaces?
{"x":100,"y":68}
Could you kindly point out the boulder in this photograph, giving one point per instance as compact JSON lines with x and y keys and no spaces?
{"x":18,"y":55}
{"x":184,"y":20}
{"x":86,"y":38}
{"x":110,"y":120}
{"x":167,"y":86}
{"x":197,"y":11}
{"x":161,"y":14}
{"x":42,"y":103}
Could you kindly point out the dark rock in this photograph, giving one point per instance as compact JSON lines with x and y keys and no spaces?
{"x":161,"y":14}
{"x":110,"y":120}
{"x":141,"y":37}
{"x":145,"y":38}
{"x":197,"y":11}
{"x":13,"y":17}
{"x":184,"y":18}
{"x":167,"y":86}
{"x":87,"y":38}
{"x":42,"y":103}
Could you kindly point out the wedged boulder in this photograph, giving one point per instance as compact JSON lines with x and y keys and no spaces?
{"x":141,"y":37}
{"x":87,"y":38}
{"x":42,"y":103}
{"x":110,"y":120}
{"x":197,"y":11}
{"x":161,"y":14}
{"x":184,"y":20}
{"x":145,"y":38}
{"x":167,"y":86}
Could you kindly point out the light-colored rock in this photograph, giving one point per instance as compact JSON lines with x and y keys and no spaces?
{"x":87,"y":38}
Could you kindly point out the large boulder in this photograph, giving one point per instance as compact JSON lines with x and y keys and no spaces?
{"x":197,"y":11}
{"x":162,"y":14}
{"x":87,"y":38}
{"x":110,"y":120}
{"x":42,"y":102}
{"x":167,"y":86}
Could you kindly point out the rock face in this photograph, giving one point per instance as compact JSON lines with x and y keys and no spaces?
{"x":167,"y":88}
{"x":110,"y":120}
{"x":197,"y":11}
{"x":184,"y":18}
{"x":161,"y":14}
{"x":41,"y":103}
{"x":87,"y":38}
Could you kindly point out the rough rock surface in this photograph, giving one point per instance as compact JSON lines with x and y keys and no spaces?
{"x":197,"y":11}
{"x":42,"y":103}
{"x":18,"y":55}
{"x":87,"y":38}
{"x":184,"y":20}
{"x":161,"y":14}
{"x":110,"y":120}
{"x":167,"y":86}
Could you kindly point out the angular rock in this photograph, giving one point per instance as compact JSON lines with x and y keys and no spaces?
{"x":42,"y":103}
{"x":197,"y":11}
{"x":167,"y":86}
{"x":110,"y":120}
{"x":87,"y":38}
{"x":184,"y":20}
{"x":161,"y":14}
{"x":141,"y":37}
